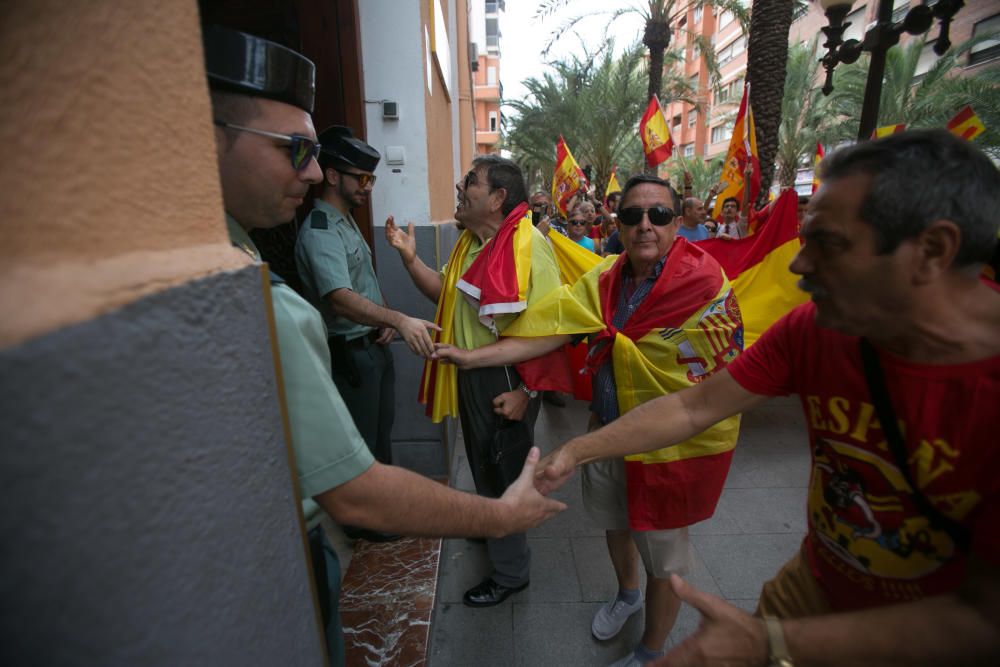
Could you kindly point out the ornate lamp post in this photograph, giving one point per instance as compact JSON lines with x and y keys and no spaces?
{"x":877,"y":41}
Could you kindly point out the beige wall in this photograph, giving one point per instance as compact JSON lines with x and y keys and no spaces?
{"x":466,"y":129}
{"x":109,"y":189}
{"x":440,"y":181}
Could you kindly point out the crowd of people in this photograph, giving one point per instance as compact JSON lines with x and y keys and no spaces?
{"x":901,"y":561}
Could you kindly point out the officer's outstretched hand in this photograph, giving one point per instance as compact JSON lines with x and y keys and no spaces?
{"x":554,"y":470}
{"x":527,"y":508}
{"x":414,"y":332}
{"x":404,"y":242}
{"x":727,"y":635}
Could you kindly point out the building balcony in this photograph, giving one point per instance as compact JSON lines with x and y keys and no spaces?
{"x":487,"y":138}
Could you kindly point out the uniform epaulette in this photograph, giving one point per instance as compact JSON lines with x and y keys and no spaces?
{"x":317,"y":220}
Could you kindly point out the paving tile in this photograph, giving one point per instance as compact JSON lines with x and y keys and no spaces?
{"x":559,"y":634}
{"x":463,"y":565}
{"x":472,"y":637}
{"x":740,"y":564}
{"x":766,"y":510}
{"x":722,"y":522}
{"x":553,"y":577}
{"x":594,"y":571}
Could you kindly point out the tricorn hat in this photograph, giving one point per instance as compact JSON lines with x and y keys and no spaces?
{"x":241,"y":63}
{"x":340,"y":144}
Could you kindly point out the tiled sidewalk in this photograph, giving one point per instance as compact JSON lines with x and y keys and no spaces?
{"x":758,"y":525}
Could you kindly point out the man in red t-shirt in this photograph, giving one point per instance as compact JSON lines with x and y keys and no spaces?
{"x":894,"y":242}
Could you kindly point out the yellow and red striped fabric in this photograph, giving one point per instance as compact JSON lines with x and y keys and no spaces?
{"x":742,"y":150}
{"x":758,"y":266}
{"x":820,"y":154}
{"x":966,"y":124}
{"x":568,"y":178}
{"x":886,"y":130}
{"x":657,"y":143}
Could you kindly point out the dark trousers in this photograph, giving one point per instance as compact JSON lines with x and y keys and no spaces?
{"x":326,"y":576}
{"x":477,"y":388}
{"x":365,"y":374}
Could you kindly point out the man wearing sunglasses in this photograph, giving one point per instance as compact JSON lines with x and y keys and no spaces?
{"x":576,"y":228}
{"x":268,"y":89}
{"x":338,"y":277}
{"x":660,"y":317}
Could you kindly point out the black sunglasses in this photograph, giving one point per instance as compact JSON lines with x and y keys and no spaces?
{"x":658,"y":215}
{"x":578,"y":222}
{"x":302,"y":149}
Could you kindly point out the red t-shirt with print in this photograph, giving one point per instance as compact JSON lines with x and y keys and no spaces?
{"x":866,"y":543}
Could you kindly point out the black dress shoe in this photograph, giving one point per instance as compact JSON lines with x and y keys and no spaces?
{"x":489,"y":593}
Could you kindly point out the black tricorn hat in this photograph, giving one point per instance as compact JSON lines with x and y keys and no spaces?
{"x":340,"y":143}
{"x":241,"y":63}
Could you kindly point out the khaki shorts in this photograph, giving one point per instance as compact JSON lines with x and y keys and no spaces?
{"x":793,"y":593}
{"x":663,"y":552}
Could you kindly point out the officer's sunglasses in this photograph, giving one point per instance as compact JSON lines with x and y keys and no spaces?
{"x":658,"y":215}
{"x":302,"y":148}
{"x":364,"y":180}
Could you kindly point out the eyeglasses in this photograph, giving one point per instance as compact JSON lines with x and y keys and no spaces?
{"x":470,"y":179}
{"x":658,"y":215}
{"x":578,"y":222}
{"x":303,"y":149}
{"x":364,"y":179}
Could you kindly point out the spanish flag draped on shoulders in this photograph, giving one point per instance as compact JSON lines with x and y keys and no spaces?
{"x":686,"y":328}
{"x":498,"y":279}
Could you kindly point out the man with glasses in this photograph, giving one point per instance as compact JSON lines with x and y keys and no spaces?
{"x":497,"y":406}
{"x":260,"y":91}
{"x":660,"y":317}
{"x":335,"y":264}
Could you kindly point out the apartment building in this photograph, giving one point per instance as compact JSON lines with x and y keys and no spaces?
{"x":484,"y":33}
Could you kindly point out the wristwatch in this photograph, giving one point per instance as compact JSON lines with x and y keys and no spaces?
{"x":530,"y":392}
{"x":777,"y":648}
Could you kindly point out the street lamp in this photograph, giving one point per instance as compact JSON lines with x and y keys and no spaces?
{"x":877,"y":41}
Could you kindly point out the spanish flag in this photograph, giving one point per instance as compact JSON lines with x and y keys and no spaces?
{"x":742,"y":149}
{"x":758,"y":266}
{"x":568,"y":178}
{"x":657,"y":143}
{"x":820,"y":154}
{"x":966,"y":124}
{"x":686,"y":328}
{"x":613,"y":185}
{"x":886,"y":130}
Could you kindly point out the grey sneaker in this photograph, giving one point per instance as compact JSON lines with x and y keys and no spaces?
{"x":611,"y":617}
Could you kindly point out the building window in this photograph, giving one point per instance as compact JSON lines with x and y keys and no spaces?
{"x":926,"y":60}
{"x":694,"y":82}
{"x":697,"y":14}
{"x":722,"y":132}
{"x":493,"y":121}
{"x":688,"y":150}
{"x":856,"y":29}
{"x":730,"y":92}
{"x":692,"y":118}
{"x":989,"y":49}
{"x":491,"y":76}
{"x":730,"y":51}
{"x":725,"y":19}
{"x":899,"y":9}
{"x":799,"y":11}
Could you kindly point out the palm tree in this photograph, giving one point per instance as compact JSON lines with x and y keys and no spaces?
{"x":657,"y":33}
{"x":767,"y":53}
{"x":594,"y":101}
{"x":704,"y":173}
{"x":804,"y":113}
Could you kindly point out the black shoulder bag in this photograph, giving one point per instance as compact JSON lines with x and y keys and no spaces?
{"x":887,"y":418}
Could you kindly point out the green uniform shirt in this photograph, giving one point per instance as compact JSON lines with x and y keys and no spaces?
{"x":469,"y":331}
{"x":331,"y":254}
{"x":328,"y":449}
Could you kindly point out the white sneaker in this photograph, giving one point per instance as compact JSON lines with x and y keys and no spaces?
{"x":627,"y":661}
{"x":611,"y":617}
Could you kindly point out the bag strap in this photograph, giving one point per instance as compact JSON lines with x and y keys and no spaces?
{"x":890,"y":427}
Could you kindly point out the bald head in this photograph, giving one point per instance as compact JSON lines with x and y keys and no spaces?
{"x":693,"y":212}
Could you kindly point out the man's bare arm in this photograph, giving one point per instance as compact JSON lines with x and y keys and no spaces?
{"x":427,"y":280}
{"x":357,"y":308}
{"x":394,"y":500}
{"x":505,"y":351}
{"x":962,"y":628}
{"x":655,"y":424}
